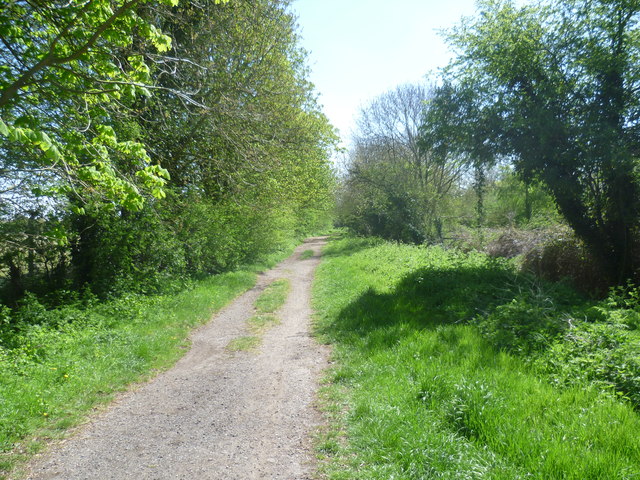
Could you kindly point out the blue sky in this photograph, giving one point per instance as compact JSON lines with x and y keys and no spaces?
{"x":361,"y":48}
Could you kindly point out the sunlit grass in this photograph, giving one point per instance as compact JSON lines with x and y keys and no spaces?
{"x":243,"y":344}
{"x":258,"y":324}
{"x":273,"y":296}
{"x":416,"y":392}
{"x":269,"y":301}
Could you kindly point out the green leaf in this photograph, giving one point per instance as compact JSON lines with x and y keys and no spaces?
{"x":43,"y":141}
{"x":53,"y":154}
{"x":4,"y":130}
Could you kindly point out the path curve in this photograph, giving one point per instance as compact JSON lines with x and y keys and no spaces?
{"x":215,"y":415}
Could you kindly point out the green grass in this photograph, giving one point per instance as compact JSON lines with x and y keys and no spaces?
{"x":306,"y":254}
{"x":269,"y":301}
{"x":416,"y":392}
{"x":243,"y":344}
{"x":273,"y":296}
{"x":258,"y":324}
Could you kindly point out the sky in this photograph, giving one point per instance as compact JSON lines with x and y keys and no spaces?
{"x":359,"y":49}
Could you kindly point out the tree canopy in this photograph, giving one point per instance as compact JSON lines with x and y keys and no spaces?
{"x":142,"y":140}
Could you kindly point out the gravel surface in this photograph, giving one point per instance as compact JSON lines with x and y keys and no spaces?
{"x":216,"y":414}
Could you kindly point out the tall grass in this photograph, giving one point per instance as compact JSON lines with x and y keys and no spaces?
{"x":417,"y":392}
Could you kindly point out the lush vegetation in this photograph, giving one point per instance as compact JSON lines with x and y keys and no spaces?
{"x":147,"y":141}
{"x":555,"y":87}
{"x":544,"y":96}
{"x":145,"y":145}
{"x":454,"y":365}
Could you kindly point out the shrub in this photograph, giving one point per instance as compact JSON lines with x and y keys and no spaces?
{"x":526,"y":324}
{"x":566,"y":257}
{"x":604,"y":354}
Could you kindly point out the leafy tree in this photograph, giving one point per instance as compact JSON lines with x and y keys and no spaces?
{"x":245,"y":145}
{"x":213,"y":91}
{"x":65,"y":67}
{"x":560,"y":83}
{"x":395,"y":186}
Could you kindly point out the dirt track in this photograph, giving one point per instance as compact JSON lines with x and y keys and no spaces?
{"x":215,"y":415}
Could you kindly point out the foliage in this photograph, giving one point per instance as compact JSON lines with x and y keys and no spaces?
{"x":563,"y":256}
{"x":418,"y":392}
{"x":525,"y":324}
{"x":558,"y":85}
{"x":227,"y":113}
{"x":509,"y":201}
{"x":64,"y":66}
{"x":605,"y":354}
{"x":394,"y":188}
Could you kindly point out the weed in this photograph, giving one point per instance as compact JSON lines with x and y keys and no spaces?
{"x":273,"y":296}
{"x":258,"y":324}
{"x":243,"y":344}
{"x":306,"y":255}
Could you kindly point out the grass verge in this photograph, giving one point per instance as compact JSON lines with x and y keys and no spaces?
{"x":417,"y":390}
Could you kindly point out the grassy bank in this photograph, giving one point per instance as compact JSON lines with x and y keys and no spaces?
{"x":57,"y":365}
{"x":445,"y":369}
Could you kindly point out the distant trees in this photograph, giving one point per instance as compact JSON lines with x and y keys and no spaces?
{"x":395,"y":187}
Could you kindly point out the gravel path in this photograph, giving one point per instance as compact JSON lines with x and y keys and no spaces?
{"x":215,"y":415}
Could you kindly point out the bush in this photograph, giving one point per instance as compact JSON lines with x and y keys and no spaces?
{"x":604,"y":354}
{"x":526,"y":324}
{"x":566,"y":257}
{"x":582,"y":345}
{"x":513,"y":242}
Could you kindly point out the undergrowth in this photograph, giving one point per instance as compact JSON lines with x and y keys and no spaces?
{"x":454,"y":366}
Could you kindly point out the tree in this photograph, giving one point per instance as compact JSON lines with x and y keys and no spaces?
{"x":457,"y":125}
{"x":561,"y":82}
{"x":397,"y":184}
{"x":246,"y":147}
{"x":64,"y":68}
